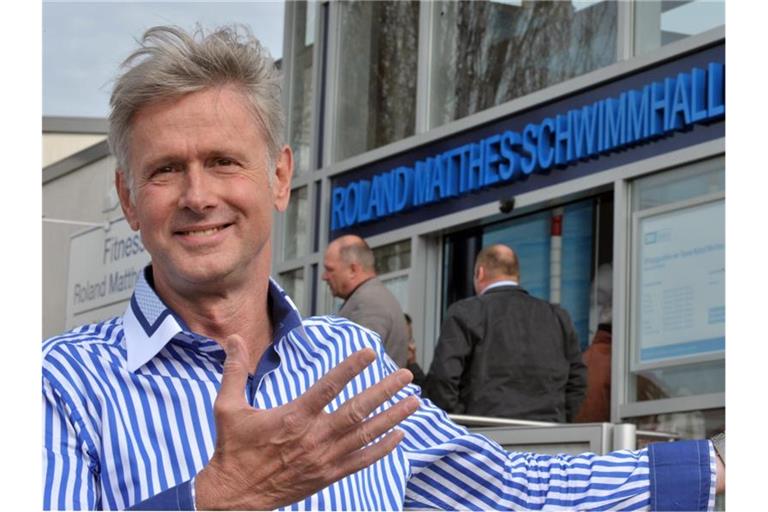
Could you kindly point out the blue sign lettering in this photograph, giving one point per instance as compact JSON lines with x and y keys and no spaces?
{"x":608,"y":124}
{"x":638,"y":111}
{"x":545,"y":148}
{"x":491,"y":148}
{"x":510,"y":143}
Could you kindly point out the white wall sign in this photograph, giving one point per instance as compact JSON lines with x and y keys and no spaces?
{"x":681,"y":308}
{"x":103,"y":267}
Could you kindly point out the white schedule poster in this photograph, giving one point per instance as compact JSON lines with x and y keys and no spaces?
{"x":681,"y":283}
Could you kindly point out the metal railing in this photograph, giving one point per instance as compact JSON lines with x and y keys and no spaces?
{"x":529,"y":435}
{"x":490,"y":421}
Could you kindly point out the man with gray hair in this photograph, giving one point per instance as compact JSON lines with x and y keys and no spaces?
{"x":212,"y":392}
{"x":351,"y":275}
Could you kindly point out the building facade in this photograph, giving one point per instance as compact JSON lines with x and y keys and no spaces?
{"x":589,"y":136}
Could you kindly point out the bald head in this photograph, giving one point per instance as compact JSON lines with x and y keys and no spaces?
{"x":354,"y":249}
{"x":493,"y":264}
{"x":348,"y":262}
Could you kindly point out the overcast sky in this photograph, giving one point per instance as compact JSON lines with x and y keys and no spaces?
{"x":84,"y":42}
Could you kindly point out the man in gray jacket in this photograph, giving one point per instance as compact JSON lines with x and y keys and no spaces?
{"x":351,"y":275}
{"x":504,"y":353}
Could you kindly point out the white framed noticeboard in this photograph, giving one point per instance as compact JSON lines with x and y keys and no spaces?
{"x":678,"y":283}
{"x":103,"y":267}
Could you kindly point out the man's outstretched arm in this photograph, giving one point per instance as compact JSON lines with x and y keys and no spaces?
{"x":455,"y":469}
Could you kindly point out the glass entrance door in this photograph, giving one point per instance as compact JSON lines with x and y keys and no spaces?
{"x":559,"y":250}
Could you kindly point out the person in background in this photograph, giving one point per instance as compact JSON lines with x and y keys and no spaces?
{"x":350,"y":273}
{"x":505,"y":353}
{"x":212,"y":392}
{"x":596,"y":406}
{"x":413,"y":365}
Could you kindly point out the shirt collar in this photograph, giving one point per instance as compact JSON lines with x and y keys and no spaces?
{"x":149,"y":324}
{"x":497,"y":284}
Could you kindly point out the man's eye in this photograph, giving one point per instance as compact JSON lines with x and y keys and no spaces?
{"x":224,"y":162}
{"x":164,"y":169}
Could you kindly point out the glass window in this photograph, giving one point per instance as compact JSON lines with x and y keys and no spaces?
{"x":376,"y":98}
{"x":301,"y":85}
{"x":393,"y":257}
{"x":678,"y":381}
{"x":688,"y":425}
{"x":487,"y":53}
{"x":658,"y":23}
{"x":677,"y":310}
{"x":399,"y":287}
{"x":392,"y":263}
{"x":293,"y":284}
{"x":681,"y":185}
{"x":296,"y":224}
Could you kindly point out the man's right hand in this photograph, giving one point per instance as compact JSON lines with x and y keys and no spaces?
{"x":269,"y":458}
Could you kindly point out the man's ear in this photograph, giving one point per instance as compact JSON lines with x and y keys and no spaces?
{"x":281,"y":182}
{"x":124,"y":193}
{"x":480,"y":273}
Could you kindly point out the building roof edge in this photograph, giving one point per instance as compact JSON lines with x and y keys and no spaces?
{"x":76,"y":161}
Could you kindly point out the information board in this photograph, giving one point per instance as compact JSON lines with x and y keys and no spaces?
{"x":103,"y":267}
{"x":680,"y":287}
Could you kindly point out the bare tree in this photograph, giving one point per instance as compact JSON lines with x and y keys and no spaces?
{"x":490,"y":53}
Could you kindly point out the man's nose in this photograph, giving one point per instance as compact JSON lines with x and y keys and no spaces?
{"x":197,"y":192}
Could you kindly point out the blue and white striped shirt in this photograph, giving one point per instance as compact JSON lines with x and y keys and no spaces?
{"x":128,"y":412}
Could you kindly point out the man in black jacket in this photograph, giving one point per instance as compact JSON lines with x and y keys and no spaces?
{"x":505,"y":353}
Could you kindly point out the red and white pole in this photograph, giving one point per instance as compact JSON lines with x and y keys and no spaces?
{"x":555,"y":255}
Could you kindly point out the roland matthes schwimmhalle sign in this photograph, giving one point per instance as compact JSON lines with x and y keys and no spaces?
{"x":564,"y":135}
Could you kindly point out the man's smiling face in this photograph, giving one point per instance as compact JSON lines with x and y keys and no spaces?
{"x":202,"y":196}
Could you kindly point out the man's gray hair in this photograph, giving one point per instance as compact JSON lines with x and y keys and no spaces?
{"x":358,"y":251}
{"x":171,"y":63}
